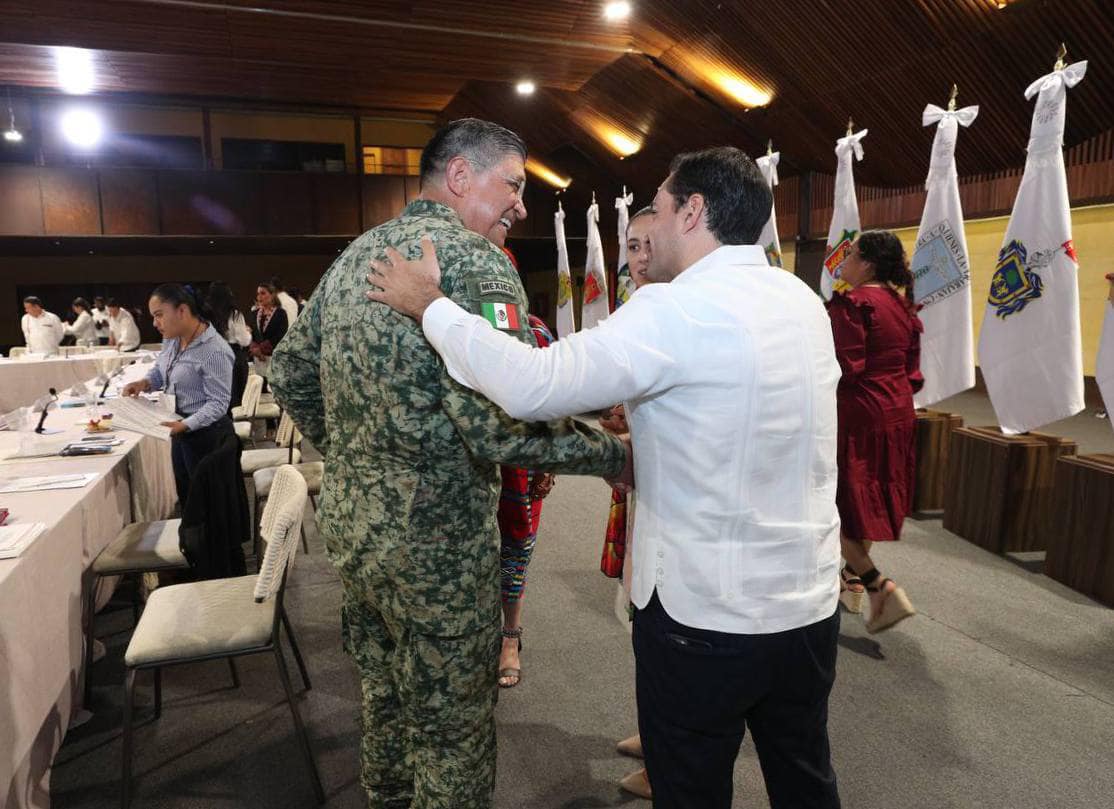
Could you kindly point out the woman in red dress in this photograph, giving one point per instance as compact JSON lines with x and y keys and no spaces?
{"x":878,"y":344}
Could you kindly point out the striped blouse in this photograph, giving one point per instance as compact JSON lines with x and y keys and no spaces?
{"x":200,"y":377}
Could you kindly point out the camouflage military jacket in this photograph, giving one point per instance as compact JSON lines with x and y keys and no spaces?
{"x":411,"y":479}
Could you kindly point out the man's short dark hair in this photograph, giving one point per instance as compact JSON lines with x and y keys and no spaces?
{"x":34,"y":300}
{"x":737,"y":200}
{"x":112,"y":304}
{"x":482,"y":142}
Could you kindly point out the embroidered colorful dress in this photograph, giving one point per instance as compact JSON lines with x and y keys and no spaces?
{"x":519,"y":512}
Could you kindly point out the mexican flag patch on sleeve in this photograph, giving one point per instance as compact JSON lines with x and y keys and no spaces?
{"x":501,"y":315}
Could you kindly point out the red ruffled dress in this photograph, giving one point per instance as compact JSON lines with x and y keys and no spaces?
{"x":878,"y":345}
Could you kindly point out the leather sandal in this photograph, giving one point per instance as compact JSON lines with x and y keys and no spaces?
{"x":851,"y":599}
{"x":896,"y":606}
{"x":638,"y":783}
{"x":510,"y":672}
{"x":631,"y":747}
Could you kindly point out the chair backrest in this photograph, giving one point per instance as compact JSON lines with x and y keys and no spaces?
{"x":17,"y":351}
{"x":252,"y":391}
{"x":287,"y":436}
{"x":280,"y":528}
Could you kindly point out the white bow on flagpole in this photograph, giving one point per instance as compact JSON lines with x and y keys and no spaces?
{"x":624,"y":284}
{"x":769,"y":240}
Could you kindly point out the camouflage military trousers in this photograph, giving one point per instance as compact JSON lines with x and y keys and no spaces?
{"x":428,"y":707}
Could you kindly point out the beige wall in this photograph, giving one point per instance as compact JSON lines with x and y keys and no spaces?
{"x":1093,"y":234}
{"x":396,"y":132}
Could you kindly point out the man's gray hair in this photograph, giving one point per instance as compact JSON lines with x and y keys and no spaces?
{"x":482,"y":142}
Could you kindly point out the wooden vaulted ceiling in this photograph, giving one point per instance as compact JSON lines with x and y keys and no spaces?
{"x":878,"y":61}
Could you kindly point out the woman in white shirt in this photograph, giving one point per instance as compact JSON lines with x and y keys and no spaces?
{"x":82,"y":329}
{"x":233,"y":328}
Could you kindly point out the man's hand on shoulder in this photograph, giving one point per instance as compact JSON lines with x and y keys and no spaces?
{"x":407,"y":286}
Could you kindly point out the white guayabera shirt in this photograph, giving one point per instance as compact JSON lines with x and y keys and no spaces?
{"x":729,"y":378}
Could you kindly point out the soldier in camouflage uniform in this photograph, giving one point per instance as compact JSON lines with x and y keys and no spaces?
{"x":411,"y":476}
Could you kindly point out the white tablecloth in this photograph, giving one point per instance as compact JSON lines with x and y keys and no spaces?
{"x":22,"y":381}
{"x":41,"y":593}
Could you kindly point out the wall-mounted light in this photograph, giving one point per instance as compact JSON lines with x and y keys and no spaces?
{"x":75,"y":70}
{"x":525,"y":88}
{"x":619,"y":139}
{"x":616,"y":10}
{"x":11,"y":134}
{"x":83,"y":128}
{"x":546,"y":174}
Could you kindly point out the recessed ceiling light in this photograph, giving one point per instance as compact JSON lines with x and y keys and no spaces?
{"x":525,"y":88}
{"x":617,"y":10}
{"x":13,"y":135}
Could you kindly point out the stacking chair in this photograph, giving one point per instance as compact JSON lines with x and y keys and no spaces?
{"x":244,"y":413}
{"x":142,"y":547}
{"x":225,"y":618}
{"x":17,"y":351}
{"x":287,"y":438}
{"x":263,"y":481}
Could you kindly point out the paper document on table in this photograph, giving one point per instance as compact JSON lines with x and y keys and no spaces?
{"x":140,"y":416}
{"x":44,"y":483}
{"x":14,"y":539}
{"x":35,"y":446}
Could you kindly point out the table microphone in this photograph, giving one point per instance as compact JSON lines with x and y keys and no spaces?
{"x":46,"y":409}
{"x":112,"y":376}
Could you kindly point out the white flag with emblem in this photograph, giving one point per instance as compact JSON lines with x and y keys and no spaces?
{"x":941,"y":272}
{"x":769,"y":240}
{"x":845,"y":226}
{"x":566,"y":320}
{"x":595,"y":307}
{"x":1030,"y":348}
{"x":1104,"y":363}
{"x":624,"y":284}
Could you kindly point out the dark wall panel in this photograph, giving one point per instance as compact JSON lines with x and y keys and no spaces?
{"x":210,"y":203}
{"x":336,"y":199}
{"x":129,"y":200}
{"x":70,"y":202}
{"x":384,"y":198}
{"x":21,"y":205}
{"x":287,"y":204}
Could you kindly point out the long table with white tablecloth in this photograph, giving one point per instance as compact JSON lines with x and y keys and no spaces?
{"x":24,"y":380}
{"x":41,"y":591}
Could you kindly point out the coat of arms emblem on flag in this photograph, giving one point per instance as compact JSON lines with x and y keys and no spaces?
{"x":939,"y":265}
{"x":833,"y":262}
{"x":564,"y":289}
{"x":1014,"y":285}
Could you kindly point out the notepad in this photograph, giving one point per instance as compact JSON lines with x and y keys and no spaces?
{"x":14,"y":539}
{"x":44,"y":483}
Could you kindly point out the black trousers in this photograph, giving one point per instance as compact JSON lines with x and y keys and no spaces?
{"x":698,"y":691}
{"x":187,"y":449}
{"x":239,"y":375}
